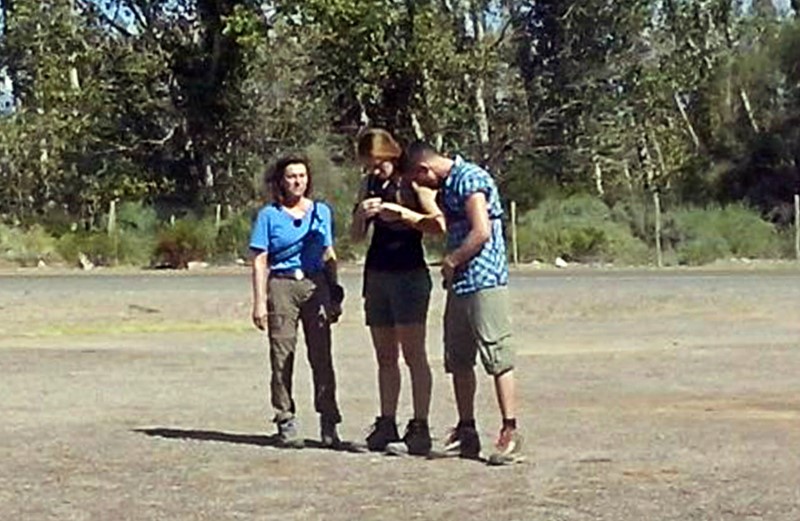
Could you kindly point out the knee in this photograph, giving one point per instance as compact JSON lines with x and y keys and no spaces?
{"x":416,"y":360}
{"x":387,"y":357}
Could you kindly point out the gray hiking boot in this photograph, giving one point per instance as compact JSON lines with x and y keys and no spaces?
{"x":288,"y":435}
{"x":328,"y":435}
{"x":384,"y":432}
{"x":507,"y":449}
{"x":415,"y":442}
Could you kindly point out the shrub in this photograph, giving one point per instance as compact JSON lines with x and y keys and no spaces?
{"x":138,"y":218}
{"x":189,"y":239}
{"x":578,"y":228}
{"x":97,"y":246}
{"x":27,"y":247}
{"x":703,"y":235}
{"x":122,"y":247}
{"x":786,"y":238}
{"x":233,"y":237}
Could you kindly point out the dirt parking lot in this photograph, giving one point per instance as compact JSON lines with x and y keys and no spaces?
{"x":645,"y":396}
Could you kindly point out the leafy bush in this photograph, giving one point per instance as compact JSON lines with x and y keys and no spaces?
{"x":138,"y":218}
{"x":98,"y":247}
{"x":27,"y":247}
{"x":122,"y":247}
{"x":189,"y":239}
{"x":786,"y":238}
{"x":233,"y":239}
{"x":579,"y":228}
{"x":703,"y":235}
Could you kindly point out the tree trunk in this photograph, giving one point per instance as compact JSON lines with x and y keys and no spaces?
{"x":481,"y":118}
{"x":646,"y":162}
{"x":626,"y":171}
{"x":481,"y":114}
{"x":598,"y":177}
{"x":686,"y":120}
{"x":415,"y":125}
{"x":662,"y":166}
{"x":748,"y":109}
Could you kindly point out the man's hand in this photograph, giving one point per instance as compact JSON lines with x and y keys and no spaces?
{"x":391,"y":212}
{"x":448,"y":270}
{"x":260,"y":317}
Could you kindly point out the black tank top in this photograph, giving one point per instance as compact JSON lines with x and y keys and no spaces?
{"x":394,"y":246}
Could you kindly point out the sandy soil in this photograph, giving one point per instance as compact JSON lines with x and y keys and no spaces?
{"x":645,"y":396}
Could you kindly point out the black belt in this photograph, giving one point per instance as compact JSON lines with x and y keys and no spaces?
{"x":296,"y":274}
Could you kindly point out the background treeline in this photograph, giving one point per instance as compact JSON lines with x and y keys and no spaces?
{"x":582,"y":110}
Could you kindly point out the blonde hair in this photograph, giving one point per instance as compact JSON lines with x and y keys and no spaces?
{"x":378,"y":143}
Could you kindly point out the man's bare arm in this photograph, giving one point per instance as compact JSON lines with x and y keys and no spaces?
{"x":480,"y":231}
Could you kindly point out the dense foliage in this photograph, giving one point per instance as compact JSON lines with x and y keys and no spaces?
{"x":180,"y":105}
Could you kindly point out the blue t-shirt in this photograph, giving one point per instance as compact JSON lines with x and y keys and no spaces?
{"x":290,"y":242}
{"x":489,"y":268}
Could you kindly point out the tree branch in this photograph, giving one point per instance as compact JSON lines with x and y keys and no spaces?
{"x":502,"y":35}
{"x":90,"y":8}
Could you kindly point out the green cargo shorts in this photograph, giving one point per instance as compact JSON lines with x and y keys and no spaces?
{"x":478,"y":323}
{"x":394,"y":298}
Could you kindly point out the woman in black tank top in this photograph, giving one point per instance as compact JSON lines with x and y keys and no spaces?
{"x":397,"y":289}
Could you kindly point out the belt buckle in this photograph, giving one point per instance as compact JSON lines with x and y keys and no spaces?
{"x":298,"y":274}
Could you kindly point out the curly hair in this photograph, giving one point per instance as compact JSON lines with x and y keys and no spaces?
{"x":274,"y":175}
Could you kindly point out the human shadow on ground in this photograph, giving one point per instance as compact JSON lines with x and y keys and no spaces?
{"x":273,"y":440}
{"x":261,"y":440}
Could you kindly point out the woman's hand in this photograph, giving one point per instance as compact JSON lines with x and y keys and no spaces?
{"x":260,"y":316}
{"x":392,"y":212}
{"x":369,"y":208}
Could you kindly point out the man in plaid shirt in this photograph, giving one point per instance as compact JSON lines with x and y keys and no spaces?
{"x":475,"y":272}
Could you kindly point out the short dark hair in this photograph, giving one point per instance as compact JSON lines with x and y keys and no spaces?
{"x":413,"y":154}
{"x":274,"y":175}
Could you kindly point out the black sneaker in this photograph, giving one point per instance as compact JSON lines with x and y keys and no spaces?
{"x":416,"y":441}
{"x":463,"y":442}
{"x":384,"y":432}
{"x":328,"y":435}
{"x":288,"y":435}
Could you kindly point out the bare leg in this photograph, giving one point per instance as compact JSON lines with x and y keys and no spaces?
{"x":505,"y":389}
{"x":464,"y":386}
{"x":387,"y":353}
{"x":412,"y":341}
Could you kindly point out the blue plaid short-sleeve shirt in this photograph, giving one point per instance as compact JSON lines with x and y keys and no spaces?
{"x":489,"y":268}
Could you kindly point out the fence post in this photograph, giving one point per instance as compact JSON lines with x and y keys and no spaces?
{"x":797,"y":226}
{"x":112,"y":218}
{"x":514,"y":242}
{"x":657,"y":203}
{"x":111,"y":228}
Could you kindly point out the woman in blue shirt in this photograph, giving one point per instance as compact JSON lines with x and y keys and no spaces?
{"x":294,"y":280}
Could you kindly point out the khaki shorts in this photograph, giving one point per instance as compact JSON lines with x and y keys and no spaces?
{"x":478,"y":323}
{"x":396,"y":297}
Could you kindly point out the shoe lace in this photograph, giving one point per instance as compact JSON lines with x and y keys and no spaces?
{"x":453,"y":435}
{"x":414,"y":428}
{"x":376,"y":426}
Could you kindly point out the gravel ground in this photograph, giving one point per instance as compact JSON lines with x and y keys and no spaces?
{"x":644,"y":396}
